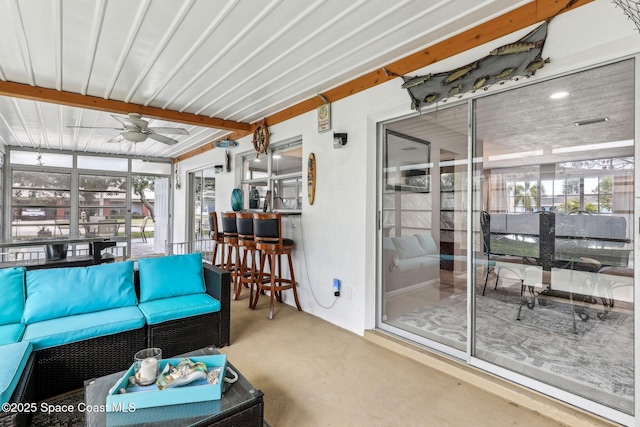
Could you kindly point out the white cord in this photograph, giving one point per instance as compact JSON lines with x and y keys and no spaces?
{"x":306,"y":268}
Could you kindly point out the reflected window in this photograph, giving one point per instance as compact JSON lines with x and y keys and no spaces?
{"x":274,"y":179}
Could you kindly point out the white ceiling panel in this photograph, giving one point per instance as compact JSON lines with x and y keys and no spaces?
{"x":238,"y":60}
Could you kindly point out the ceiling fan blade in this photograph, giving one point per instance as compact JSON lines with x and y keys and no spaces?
{"x":163,"y":139}
{"x":170,"y":131}
{"x":117,"y":138}
{"x":124,"y":120}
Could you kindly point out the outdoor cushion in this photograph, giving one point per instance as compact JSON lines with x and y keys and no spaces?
{"x":166,"y":309}
{"x":60,"y":292}
{"x":65,"y":330}
{"x":11,"y":333}
{"x":13,"y":359}
{"x":170,"y":276}
{"x":419,"y":262}
{"x":427,"y":243}
{"x":12,"y":287}
{"x":407,"y":247}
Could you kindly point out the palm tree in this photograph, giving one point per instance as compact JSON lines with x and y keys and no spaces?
{"x":527,"y":195}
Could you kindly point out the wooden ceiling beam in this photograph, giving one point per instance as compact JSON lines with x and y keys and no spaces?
{"x":35,"y":93}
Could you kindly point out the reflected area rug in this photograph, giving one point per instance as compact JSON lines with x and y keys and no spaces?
{"x":595,"y":363}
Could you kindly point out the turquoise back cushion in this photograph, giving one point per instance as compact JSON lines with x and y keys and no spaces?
{"x":60,"y":292}
{"x":170,"y":276}
{"x":12,"y":289}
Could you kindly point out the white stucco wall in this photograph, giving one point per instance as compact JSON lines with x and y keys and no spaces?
{"x":338,"y":232}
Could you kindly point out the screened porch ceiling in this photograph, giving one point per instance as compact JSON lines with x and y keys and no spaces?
{"x":218,"y":65}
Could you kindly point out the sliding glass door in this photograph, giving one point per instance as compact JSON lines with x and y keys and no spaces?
{"x":550,"y":254}
{"x":424,"y":231}
{"x":202,"y":200}
{"x":557,"y":233}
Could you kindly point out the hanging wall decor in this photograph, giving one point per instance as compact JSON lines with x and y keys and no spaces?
{"x":261,"y":138}
{"x":177,"y":171}
{"x":311,"y":178}
{"x":522,"y":58}
{"x":324,"y":115}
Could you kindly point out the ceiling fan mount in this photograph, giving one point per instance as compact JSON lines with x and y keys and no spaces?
{"x":135,"y":129}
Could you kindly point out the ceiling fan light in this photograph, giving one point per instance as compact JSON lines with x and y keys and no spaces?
{"x":134,"y":136}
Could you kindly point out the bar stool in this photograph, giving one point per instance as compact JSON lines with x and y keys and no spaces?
{"x":246,"y":243}
{"x":218,"y":240}
{"x":267,"y":228}
{"x":230,"y":240}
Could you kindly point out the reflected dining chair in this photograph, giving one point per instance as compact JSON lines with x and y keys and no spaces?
{"x":267,"y":228}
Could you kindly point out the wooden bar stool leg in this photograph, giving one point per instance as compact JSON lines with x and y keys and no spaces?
{"x":243,"y":269}
{"x":280,"y":279}
{"x":237,"y":269}
{"x":222,"y":253}
{"x":253,"y":276}
{"x":272,"y":265}
{"x":263,"y":258}
{"x":227,"y":266}
{"x":215,"y":253}
{"x":293,"y":282}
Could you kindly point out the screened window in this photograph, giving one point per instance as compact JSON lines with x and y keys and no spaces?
{"x":274,"y":179}
{"x":102,"y":205}
{"x":39,"y":201}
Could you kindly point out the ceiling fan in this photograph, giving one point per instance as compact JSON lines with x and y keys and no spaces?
{"x":136,"y":129}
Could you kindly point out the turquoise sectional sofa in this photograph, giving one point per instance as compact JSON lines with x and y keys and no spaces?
{"x":60,"y":327}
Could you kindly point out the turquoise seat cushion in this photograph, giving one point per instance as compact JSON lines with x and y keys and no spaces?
{"x":12,"y":288}
{"x":65,"y":330}
{"x":170,"y":276}
{"x":163,"y":310}
{"x":60,"y":292}
{"x":13,"y":359}
{"x":11,"y":333}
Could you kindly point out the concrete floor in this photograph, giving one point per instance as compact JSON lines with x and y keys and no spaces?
{"x":316,"y":374}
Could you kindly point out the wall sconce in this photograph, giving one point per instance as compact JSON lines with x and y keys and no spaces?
{"x":339,"y":139}
{"x":177,"y":177}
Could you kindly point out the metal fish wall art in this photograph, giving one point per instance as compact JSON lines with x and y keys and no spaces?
{"x":454,"y":90}
{"x":518,"y":47}
{"x":416,"y":81}
{"x":536,"y":65}
{"x":459,"y":73}
{"x":505,"y":73}
{"x":480,"y":81}
{"x":507,"y":62}
{"x":431,"y":97}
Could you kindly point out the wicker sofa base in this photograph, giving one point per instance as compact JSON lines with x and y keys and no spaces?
{"x":183,"y":335}
{"x":66,"y":367}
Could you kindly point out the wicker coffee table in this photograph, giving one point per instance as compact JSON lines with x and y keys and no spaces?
{"x":241,"y":404}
